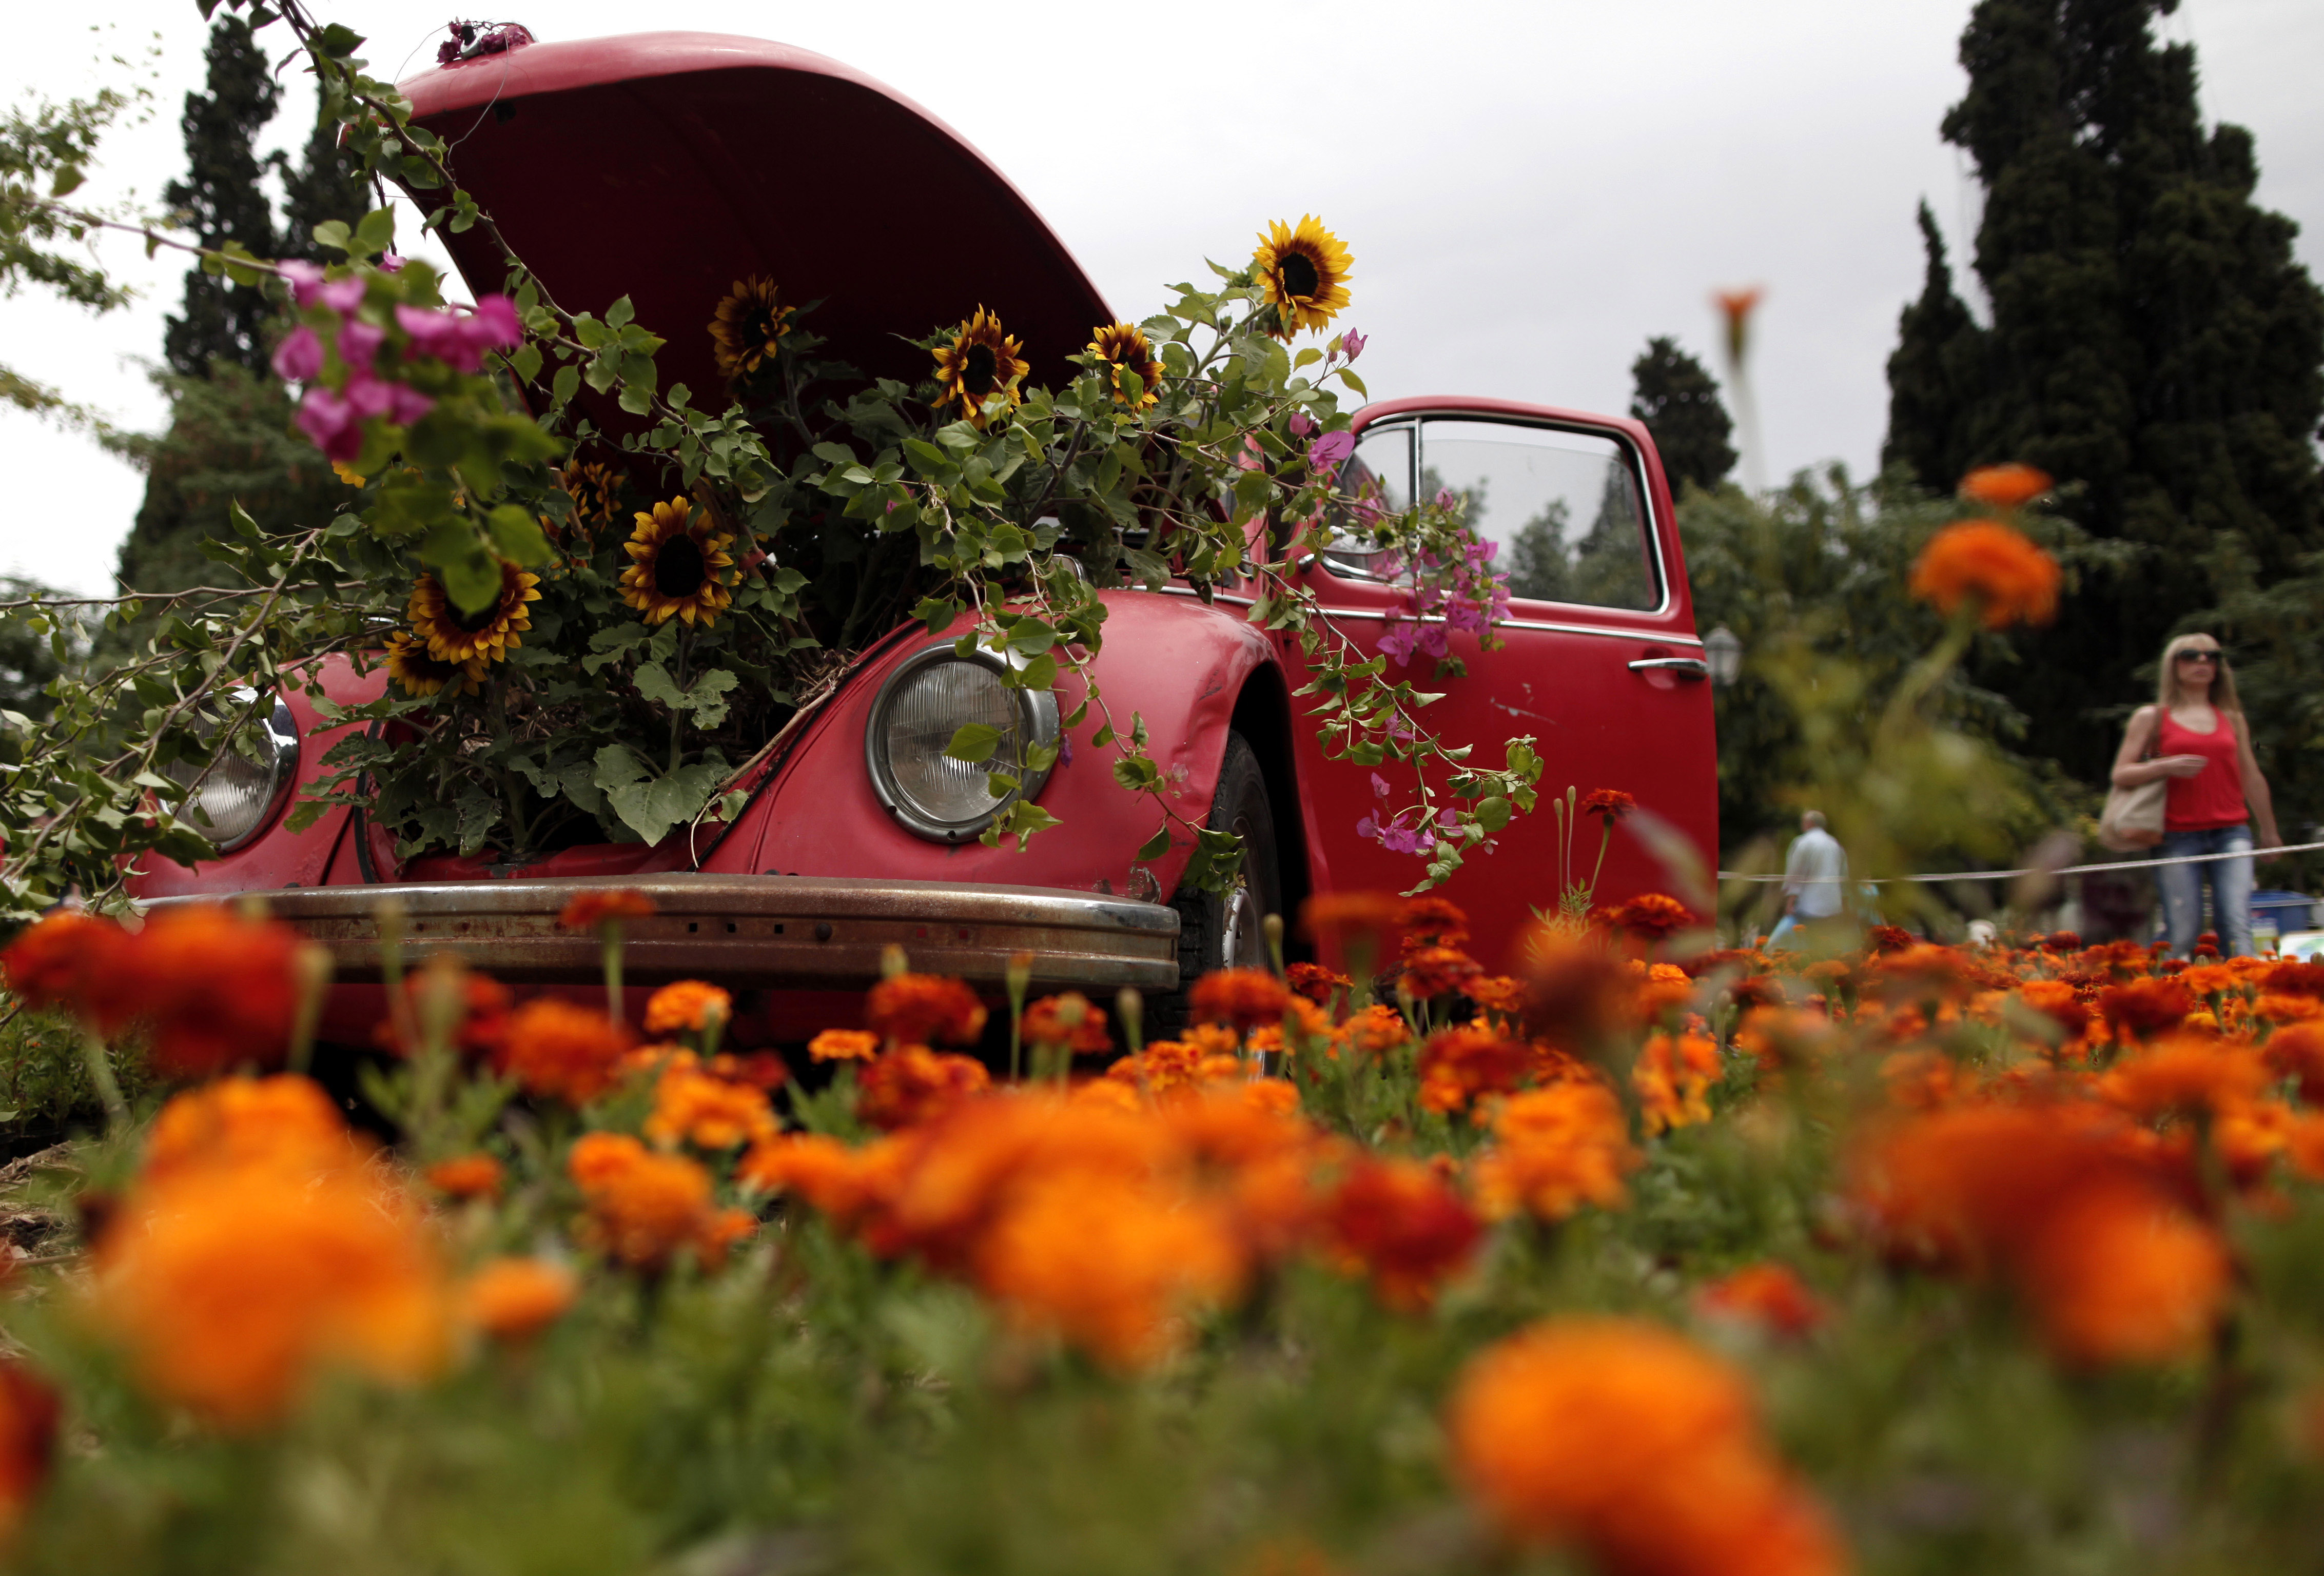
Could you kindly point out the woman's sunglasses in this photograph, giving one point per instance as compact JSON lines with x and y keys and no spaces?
{"x":2198,"y":657}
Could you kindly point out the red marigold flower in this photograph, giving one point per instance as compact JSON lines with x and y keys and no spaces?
{"x":1611,"y":803}
{"x":1433,"y":922}
{"x":476,"y":1175}
{"x":1770,"y":1296}
{"x":1431,"y":972}
{"x":843,"y":1045}
{"x":590,"y":910}
{"x":1068,"y":1020}
{"x":2296,"y":1050}
{"x":912,"y":1084}
{"x":57,"y":961}
{"x":2294,"y":979}
{"x":1651,"y":915}
{"x":29,"y":1411}
{"x":2146,"y":1008}
{"x":1397,"y":1221}
{"x":1242,"y":999}
{"x":923,"y":1009}
{"x":1457,"y":1065}
{"x":1889,"y":938}
{"x":2005,"y":487}
{"x":1577,"y":993}
{"x":217,"y":989}
{"x":2014,"y":581}
{"x":2058,"y":1002}
{"x":560,"y":1049}
{"x":482,"y":1027}
{"x":1315,"y":983}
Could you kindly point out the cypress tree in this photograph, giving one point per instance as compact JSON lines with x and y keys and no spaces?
{"x":2154,"y":343}
{"x":1678,"y":399}
{"x":224,"y":201}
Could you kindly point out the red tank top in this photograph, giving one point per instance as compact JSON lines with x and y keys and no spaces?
{"x":2213,"y":797}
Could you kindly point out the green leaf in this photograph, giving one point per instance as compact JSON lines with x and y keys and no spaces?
{"x":974,"y":741}
{"x":618,"y":313}
{"x":376,"y":231}
{"x":333,"y":234}
{"x":517,"y":536}
{"x":1348,"y":376}
{"x":1156,"y":846}
{"x":567,"y":384}
{"x":1493,"y":813}
{"x":66,"y":181}
{"x":1031,"y":637}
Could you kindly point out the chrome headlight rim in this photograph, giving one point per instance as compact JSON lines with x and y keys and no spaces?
{"x":277,"y":736}
{"x":1037,"y":721}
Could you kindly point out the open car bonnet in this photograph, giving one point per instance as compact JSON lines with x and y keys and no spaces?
{"x":665,"y":166}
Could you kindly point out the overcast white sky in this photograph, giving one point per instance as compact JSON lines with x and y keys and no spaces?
{"x":1530,"y":189}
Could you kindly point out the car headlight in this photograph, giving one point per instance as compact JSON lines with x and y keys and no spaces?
{"x":249,"y":780}
{"x":928,"y":699}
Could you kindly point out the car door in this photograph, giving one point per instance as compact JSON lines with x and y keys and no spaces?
{"x":1602,"y":665}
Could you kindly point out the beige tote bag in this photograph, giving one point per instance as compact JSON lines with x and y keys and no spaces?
{"x":2133,"y":818}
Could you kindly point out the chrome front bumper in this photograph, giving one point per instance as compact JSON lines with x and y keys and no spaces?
{"x":783,"y":932}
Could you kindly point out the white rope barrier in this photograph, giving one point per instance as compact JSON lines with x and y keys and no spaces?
{"x":2071,"y":870}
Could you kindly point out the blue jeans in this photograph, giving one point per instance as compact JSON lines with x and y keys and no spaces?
{"x":2230,"y":880}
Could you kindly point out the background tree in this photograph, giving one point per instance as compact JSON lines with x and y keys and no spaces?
{"x":2154,"y":345}
{"x":1678,"y":399}
{"x":223,"y":201}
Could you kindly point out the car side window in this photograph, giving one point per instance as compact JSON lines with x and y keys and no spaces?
{"x":1567,"y":508}
{"x":1377,"y":476}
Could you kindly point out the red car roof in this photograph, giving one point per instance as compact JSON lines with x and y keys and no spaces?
{"x":666,"y":165}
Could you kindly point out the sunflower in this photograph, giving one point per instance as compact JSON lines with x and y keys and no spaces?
{"x":1304,"y":271}
{"x":980,"y":362}
{"x":483,"y":636}
{"x":1123,"y":349}
{"x":596,"y":493}
{"x":421,"y":675}
{"x":678,"y":560}
{"x":748,"y":328}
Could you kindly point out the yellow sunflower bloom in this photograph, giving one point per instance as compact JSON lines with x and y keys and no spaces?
{"x":1304,"y":272}
{"x":748,"y":328}
{"x":1124,"y":348}
{"x":677,"y":560}
{"x":980,"y":362}
{"x":595,"y":491}
{"x":421,"y":675}
{"x":483,"y":636}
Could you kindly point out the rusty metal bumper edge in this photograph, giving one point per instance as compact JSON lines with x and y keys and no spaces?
{"x":789,"y":932}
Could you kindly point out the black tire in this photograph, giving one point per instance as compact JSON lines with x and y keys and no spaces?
{"x":1224,"y":930}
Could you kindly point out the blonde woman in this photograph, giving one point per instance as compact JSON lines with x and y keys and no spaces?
{"x":2198,"y":740}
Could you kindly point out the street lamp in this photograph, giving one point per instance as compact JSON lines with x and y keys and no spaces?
{"x":1724,"y":652}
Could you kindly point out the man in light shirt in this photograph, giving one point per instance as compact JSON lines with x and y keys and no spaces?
{"x":1815,"y":877}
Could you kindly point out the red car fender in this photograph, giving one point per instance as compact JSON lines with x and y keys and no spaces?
{"x":1179,"y":665}
{"x":279,"y":857}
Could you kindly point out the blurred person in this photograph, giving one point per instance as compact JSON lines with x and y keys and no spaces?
{"x":1815,"y":877}
{"x":2201,"y":743}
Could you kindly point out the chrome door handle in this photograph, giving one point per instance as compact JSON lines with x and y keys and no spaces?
{"x":1688,"y":667}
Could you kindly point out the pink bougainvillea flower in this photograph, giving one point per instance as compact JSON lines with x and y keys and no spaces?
{"x":1301,"y":424}
{"x":326,"y":418}
{"x":391,"y":263}
{"x":343,"y":295}
{"x":1329,"y":449}
{"x":300,"y":357}
{"x":304,"y":278}
{"x":407,"y":405}
{"x":1351,"y":344}
{"x":357,"y":344}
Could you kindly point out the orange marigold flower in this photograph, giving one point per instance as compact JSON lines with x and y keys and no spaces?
{"x":2005,"y":487}
{"x":1068,"y":1020}
{"x":2296,"y":1050}
{"x":1373,"y":1033}
{"x":1431,"y":972}
{"x":687,"y":1007}
{"x":285,"y":1124}
{"x":230,"y":1290}
{"x":1342,"y":917}
{"x":1241,"y":999}
{"x":912,"y":1084}
{"x":1769,"y":1295}
{"x":1397,"y":1221}
{"x":605,"y":906}
{"x":1315,"y":983}
{"x":219,"y":990}
{"x":563,"y":1050}
{"x":1673,"y":1077}
{"x":2293,"y":979}
{"x":61,"y":961}
{"x":1613,"y":804}
{"x":29,"y":1411}
{"x":1457,"y":1065}
{"x":843,"y":1045}
{"x":2145,"y":1007}
{"x":1110,"y":1262}
{"x":1578,"y":994}
{"x":1499,"y":993}
{"x":482,"y":1027}
{"x":476,"y":1175}
{"x":645,"y":1208}
{"x":1556,"y":1150}
{"x":923,"y":1009}
{"x":1651,"y":916}
{"x":2183,"y":1074}
{"x":1433,"y":922}
{"x":1639,"y":1446}
{"x":1306,"y":1023}
{"x":839,"y":1182}
{"x":515,"y":1299}
{"x":2120,"y":1273}
{"x":694,"y":1107}
{"x":2014,"y":581}
{"x":2058,"y":1002}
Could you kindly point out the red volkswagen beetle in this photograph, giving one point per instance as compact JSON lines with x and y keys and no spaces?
{"x":646,"y":166}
